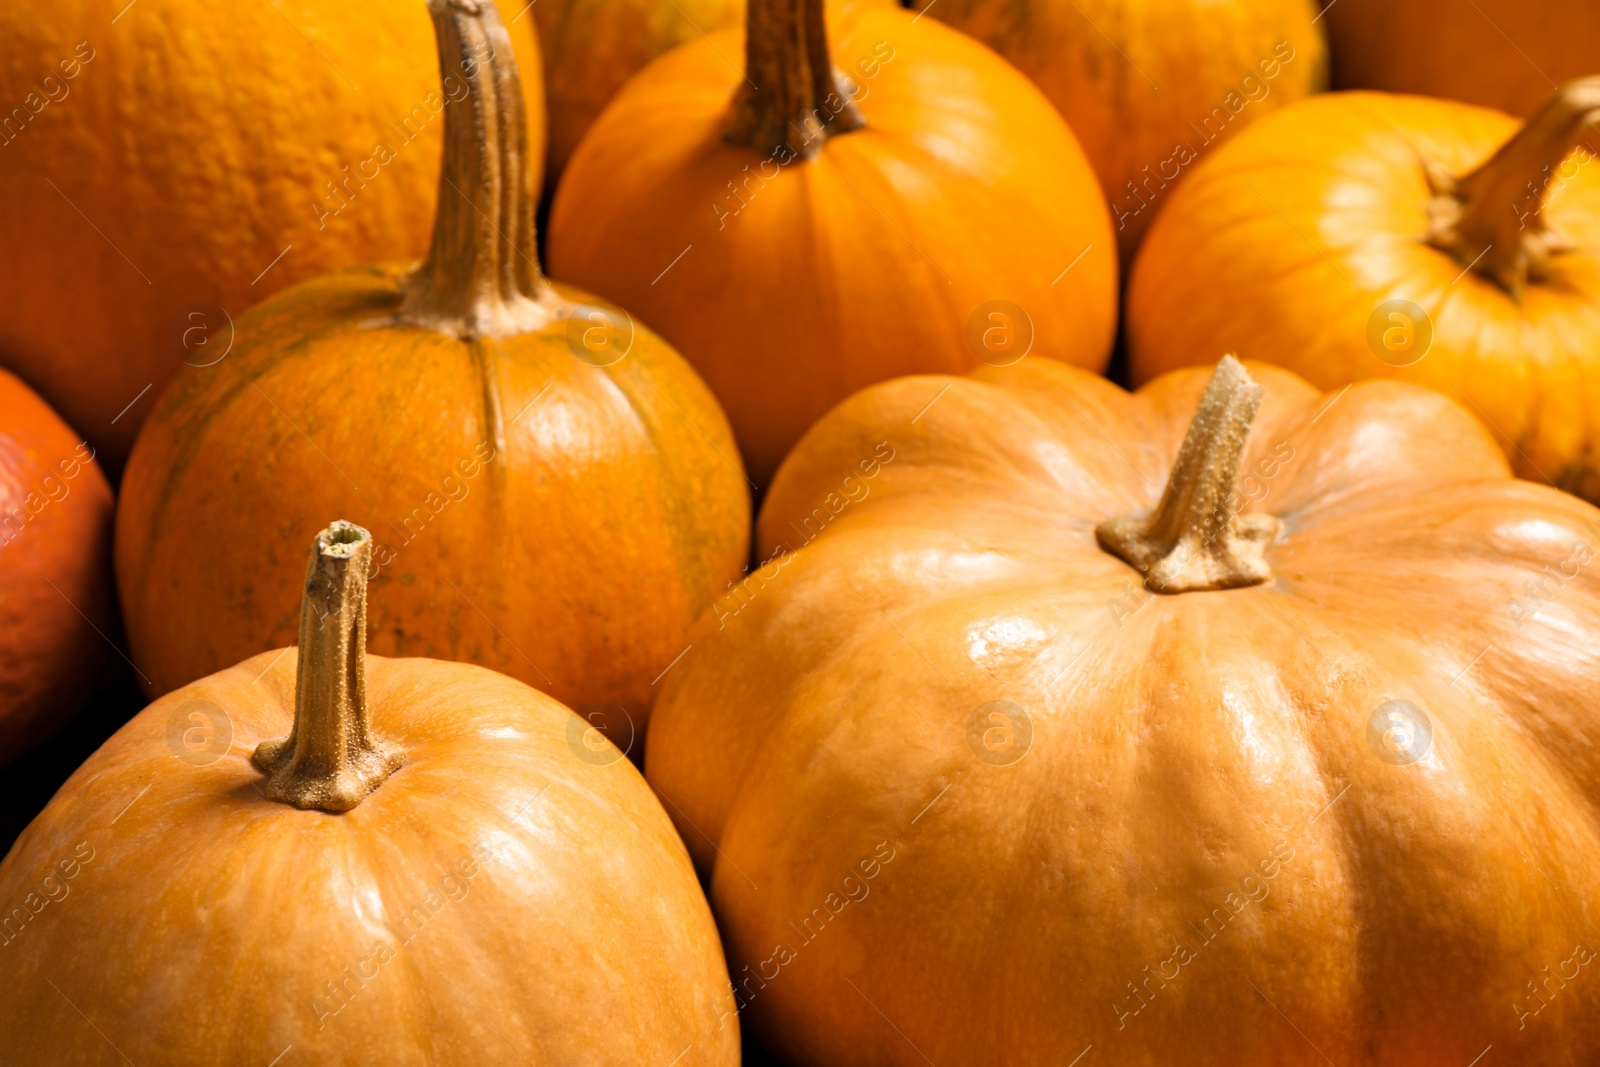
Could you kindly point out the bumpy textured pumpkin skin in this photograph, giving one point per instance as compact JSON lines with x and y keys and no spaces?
{"x":1137,"y":79}
{"x":198,"y":143}
{"x":529,"y":900}
{"x":1182,"y":747}
{"x":55,"y":562}
{"x":864,"y":262}
{"x":1282,"y":246}
{"x":611,"y":512}
{"x":592,"y":46}
{"x":1498,"y":53}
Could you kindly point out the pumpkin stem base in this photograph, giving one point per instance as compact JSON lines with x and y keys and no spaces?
{"x":1492,"y":219}
{"x":330,"y":761}
{"x":1193,"y":540}
{"x":791,"y":100}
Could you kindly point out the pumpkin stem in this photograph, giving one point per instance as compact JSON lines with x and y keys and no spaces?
{"x":329,"y":760}
{"x":1492,"y":218}
{"x":791,"y":99}
{"x":480,"y":278}
{"x":1194,"y":539}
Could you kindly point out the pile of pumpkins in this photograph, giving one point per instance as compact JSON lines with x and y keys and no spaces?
{"x":1251,"y":717}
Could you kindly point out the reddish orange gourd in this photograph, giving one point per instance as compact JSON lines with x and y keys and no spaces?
{"x":466,"y":878}
{"x":1503,"y":54}
{"x":1355,"y":235}
{"x":554,"y":492}
{"x":168,"y":163}
{"x":806,"y":230}
{"x":1247,"y":746}
{"x":55,"y":569}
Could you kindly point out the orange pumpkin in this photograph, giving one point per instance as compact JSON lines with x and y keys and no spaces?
{"x":555,"y":494}
{"x":1048,"y":726}
{"x":55,"y":569}
{"x":1151,"y":86}
{"x":1499,"y":53}
{"x":168,"y":163}
{"x":922,"y":207}
{"x":1360,"y":234}
{"x":590,"y":47}
{"x":467,"y":879}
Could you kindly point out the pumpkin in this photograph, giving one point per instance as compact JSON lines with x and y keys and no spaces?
{"x":590,"y":47}
{"x":428,"y":868}
{"x":1151,"y":86}
{"x":171,"y":162}
{"x":55,"y":569}
{"x":554,"y":493}
{"x":1049,"y":725}
{"x":1362,"y":234}
{"x":918,"y":208}
{"x":1497,"y":53}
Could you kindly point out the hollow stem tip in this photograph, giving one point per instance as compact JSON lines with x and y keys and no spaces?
{"x":1492,"y":218}
{"x":330,"y":760}
{"x":1195,"y":539}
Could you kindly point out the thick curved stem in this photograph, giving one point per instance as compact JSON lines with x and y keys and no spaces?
{"x":1492,"y":219}
{"x":791,"y":99}
{"x":330,"y":760}
{"x":481,"y":278}
{"x":1193,"y":540}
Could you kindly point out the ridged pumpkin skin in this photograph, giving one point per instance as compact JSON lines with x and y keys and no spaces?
{"x":555,"y":520}
{"x":497,"y":899}
{"x":181,"y":160}
{"x":55,"y":562}
{"x":1498,"y":53}
{"x":1149,"y":86}
{"x":869,"y":259}
{"x":1284,"y":244}
{"x":590,"y":47}
{"x":1186,"y":753}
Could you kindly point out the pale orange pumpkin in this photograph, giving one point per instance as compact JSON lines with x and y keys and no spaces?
{"x":168,"y":163}
{"x":1354,"y":235}
{"x":1151,"y":86}
{"x":919,"y":208}
{"x":1043,"y":732}
{"x":433,"y":867}
{"x":1504,"y":54}
{"x":555,"y":493}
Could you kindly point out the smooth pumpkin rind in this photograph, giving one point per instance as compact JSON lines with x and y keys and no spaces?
{"x":1314,"y":218}
{"x":1178,"y":742}
{"x":237,"y":929}
{"x":197,"y":164}
{"x":1140,"y":80}
{"x":55,"y":576}
{"x":1500,"y":53}
{"x":790,"y":285}
{"x":605,"y":510}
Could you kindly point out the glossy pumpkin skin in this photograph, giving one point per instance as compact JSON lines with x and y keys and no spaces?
{"x":195,"y":145}
{"x":533,"y":512}
{"x":590,"y":47}
{"x":487,"y":903}
{"x":1283,"y":245}
{"x":55,"y":569}
{"x":869,"y":260}
{"x":1188,"y":752}
{"x":1497,"y":53}
{"x":1150,"y":86}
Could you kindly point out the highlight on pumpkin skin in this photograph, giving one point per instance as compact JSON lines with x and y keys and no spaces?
{"x":1475,"y":217}
{"x":1193,"y":540}
{"x":331,"y":760}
